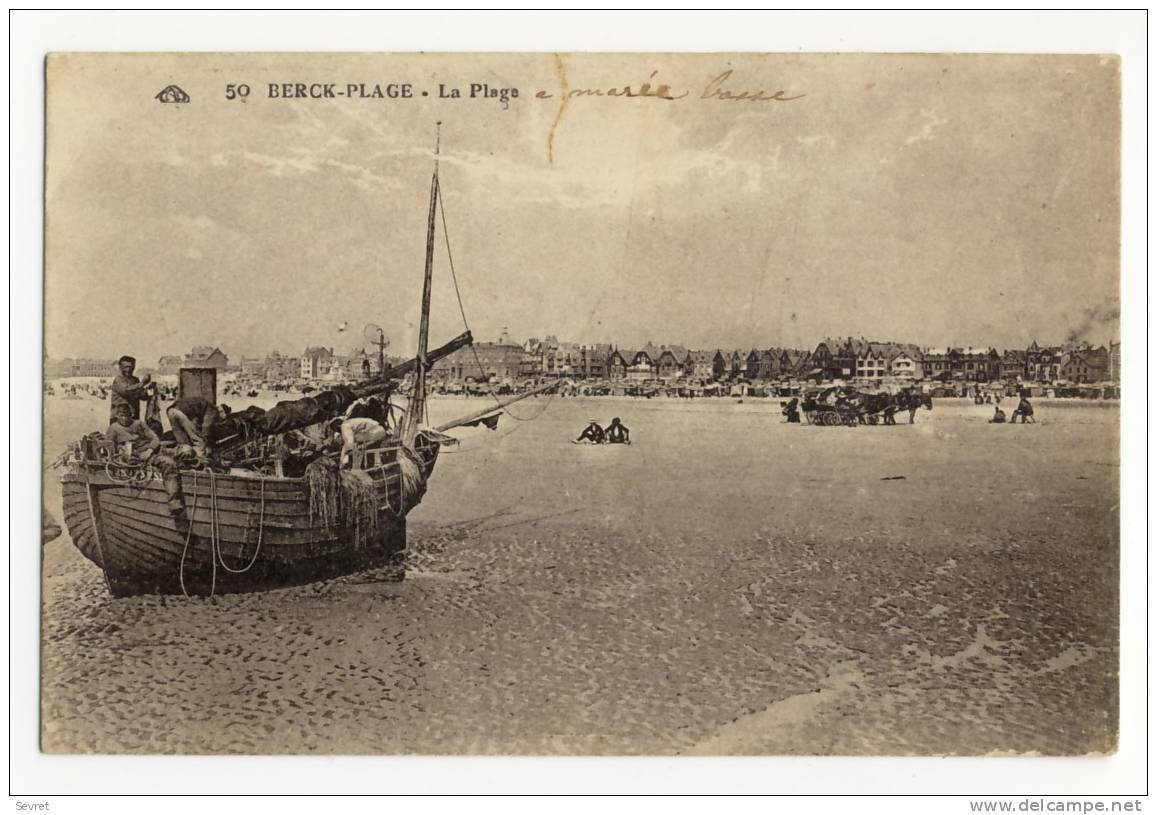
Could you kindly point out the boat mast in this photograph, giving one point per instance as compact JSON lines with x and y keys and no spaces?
{"x":418,"y":399}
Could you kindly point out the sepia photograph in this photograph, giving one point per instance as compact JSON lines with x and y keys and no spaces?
{"x":567,"y":404}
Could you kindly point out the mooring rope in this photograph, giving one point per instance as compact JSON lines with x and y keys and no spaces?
{"x":260,"y":534}
{"x":188,"y":535}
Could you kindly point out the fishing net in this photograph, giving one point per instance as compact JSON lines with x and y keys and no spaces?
{"x":359,"y":504}
{"x":324,"y":491}
{"x":343,"y":498}
{"x":412,"y":480}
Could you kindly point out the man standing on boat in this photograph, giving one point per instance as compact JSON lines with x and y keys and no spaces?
{"x":129,"y":390}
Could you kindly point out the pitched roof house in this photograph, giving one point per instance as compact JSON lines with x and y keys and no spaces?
{"x":204,"y":356}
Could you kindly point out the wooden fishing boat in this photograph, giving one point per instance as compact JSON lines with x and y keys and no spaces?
{"x":240,"y":532}
{"x":240,"y":529}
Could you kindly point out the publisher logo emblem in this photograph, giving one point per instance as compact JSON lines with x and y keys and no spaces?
{"x":172,"y":94}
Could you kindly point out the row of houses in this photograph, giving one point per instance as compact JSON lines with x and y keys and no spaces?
{"x":202,"y":356}
{"x":315,"y":363}
{"x":846,"y":358}
{"x":61,"y":368}
{"x":1078,"y":363}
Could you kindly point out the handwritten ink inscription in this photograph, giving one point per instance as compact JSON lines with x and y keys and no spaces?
{"x":719,"y":88}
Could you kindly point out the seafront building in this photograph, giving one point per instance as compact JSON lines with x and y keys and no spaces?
{"x":483,"y":361}
{"x":849,"y":360}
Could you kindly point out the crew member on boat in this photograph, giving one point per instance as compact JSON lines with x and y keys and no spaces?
{"x":141,"y":443}
{"x":371,"y":408}
{"x":128,"y":390}
{"x":618,"y":433}
{"x":132,"y":436}
{"x":359,"y":431}
{"x":192,"y":420}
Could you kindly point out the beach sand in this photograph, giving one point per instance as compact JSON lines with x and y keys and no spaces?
{"x":729,"y":584}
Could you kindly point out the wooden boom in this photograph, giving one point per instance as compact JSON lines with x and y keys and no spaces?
{"x":442,"y":428}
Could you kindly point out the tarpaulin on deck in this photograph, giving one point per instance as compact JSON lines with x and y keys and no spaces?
{"x":296,"y":414}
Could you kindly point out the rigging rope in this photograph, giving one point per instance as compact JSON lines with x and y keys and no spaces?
{"x":466,"y":323}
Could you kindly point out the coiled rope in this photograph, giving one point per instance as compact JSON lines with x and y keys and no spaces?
{"x":124,"y":471}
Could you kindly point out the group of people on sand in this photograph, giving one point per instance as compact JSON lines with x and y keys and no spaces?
{"x":1023,"y":412}
{"x":615,"y":433}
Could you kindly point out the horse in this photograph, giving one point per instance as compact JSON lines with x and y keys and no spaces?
{"x":873,"y":404}
{"x":911,"y":402}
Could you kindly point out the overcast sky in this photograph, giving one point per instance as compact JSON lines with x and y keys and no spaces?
{"x":938,"y":200}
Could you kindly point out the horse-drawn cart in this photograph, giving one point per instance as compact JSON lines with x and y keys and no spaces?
{"x":830,"y":415}
{"x":849,"y":407}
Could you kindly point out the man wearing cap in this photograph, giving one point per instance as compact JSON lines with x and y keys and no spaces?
{"x":128,"y":390}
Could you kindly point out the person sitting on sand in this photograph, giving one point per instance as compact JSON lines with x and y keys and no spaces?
{"x":998,"y":417}
{"x":1024,"y":411}
{"x":791,"y":411}
{"x":618,"y":433}
{"x":593,"y":433}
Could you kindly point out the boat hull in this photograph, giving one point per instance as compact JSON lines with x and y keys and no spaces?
{"x":237,"y":534}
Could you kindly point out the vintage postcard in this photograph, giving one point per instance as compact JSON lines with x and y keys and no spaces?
{"x":581,"y":404}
